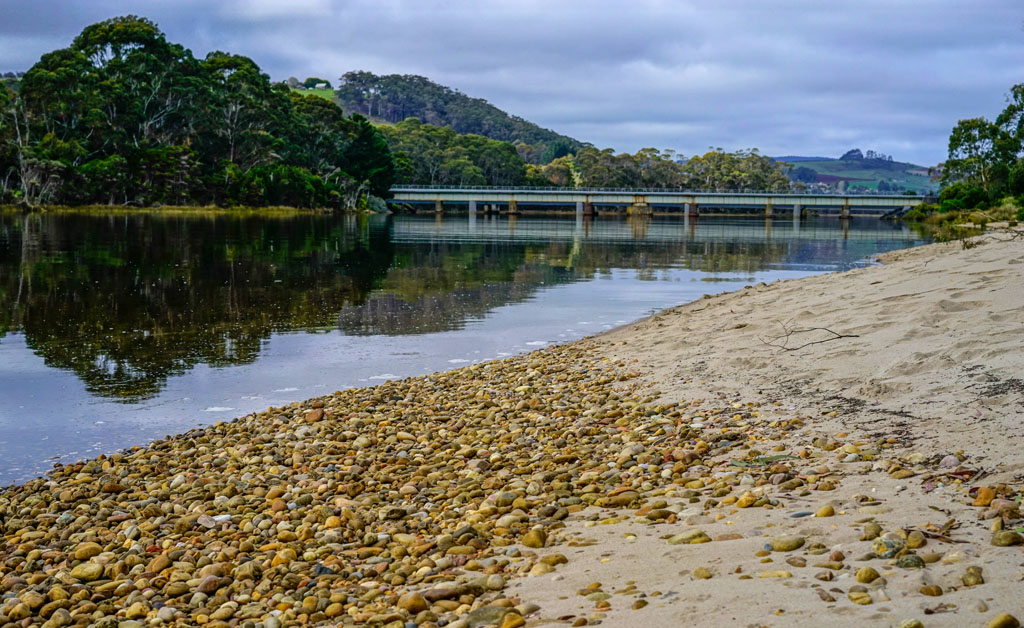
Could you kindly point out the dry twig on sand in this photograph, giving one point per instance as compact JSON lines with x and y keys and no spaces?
{"x":781,"y":341}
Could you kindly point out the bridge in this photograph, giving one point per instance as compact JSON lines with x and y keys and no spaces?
{"x":512,"y":200}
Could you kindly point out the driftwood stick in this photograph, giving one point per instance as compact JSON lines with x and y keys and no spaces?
{"x":782,"y":341}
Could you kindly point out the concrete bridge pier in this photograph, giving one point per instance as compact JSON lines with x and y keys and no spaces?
{"x":690,"y":209}
{"x":798,"y":211}
{"x":439,"y":207}
{"x":472,"y":209}
{"x":769,"y":209}
{"x":845,"y":211}
{"x":639,"y":209}
{"x":579,"y":208}
{"x":588,"y":209}
{"x":513,"y":207}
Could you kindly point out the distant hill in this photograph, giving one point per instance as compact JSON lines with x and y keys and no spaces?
{"x":792,"y":159}
{"x":853,"y":171}
{"x":396,"y":97}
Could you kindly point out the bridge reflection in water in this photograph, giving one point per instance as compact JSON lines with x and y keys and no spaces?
{"x":662,"y":230}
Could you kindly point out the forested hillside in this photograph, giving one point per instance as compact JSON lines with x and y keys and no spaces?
{"x":123,"y":116}
{"x":394,"y":97}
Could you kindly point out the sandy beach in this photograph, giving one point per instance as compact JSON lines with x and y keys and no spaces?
{"x":840,"y":450}
{"x":928,"y":364}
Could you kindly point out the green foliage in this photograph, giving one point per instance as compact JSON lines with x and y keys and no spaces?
{"x":651,"y":168}
{"x":987,"y":157}
{"x":962,"y":195}
{"x":312,"y":82}
{"x":122,"y":116}
{"x":394,"y":98}
{"x":433,"y":155}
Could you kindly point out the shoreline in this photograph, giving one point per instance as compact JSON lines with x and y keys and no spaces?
{"x":456,"y":498}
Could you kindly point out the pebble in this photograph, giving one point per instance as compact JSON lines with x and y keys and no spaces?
{"x":1005,"y":538}
{"x":973,"y":577}
{"x":910,"y":561}
{"x":787,"y":543}
{"x":1003,"y":620}
{"x":689,"y":537}
{"x":535,"y":538}
{"x":866,"y":575}
{"x":888,"y":545}
{"x":413,"y":603}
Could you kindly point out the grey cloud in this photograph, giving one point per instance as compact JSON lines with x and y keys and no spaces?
{"x":796,"y":76}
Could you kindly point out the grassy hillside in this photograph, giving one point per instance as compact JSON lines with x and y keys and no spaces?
{"x":322,"y":93}
{"x":862,"y":174}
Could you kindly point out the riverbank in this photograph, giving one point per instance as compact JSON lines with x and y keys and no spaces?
{"x":597,"y":487}
{"x":174,"y":210}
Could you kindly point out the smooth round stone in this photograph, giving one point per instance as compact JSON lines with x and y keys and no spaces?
{"x":888,"y":545}
{"x":787,"y":543}
{"x":866,"y":575}
{"x":87,"y":572}
{"x":535,"y":538}
{"x":910,"y":561}
{"x":1006,"y":538}
{"x":1003,"y":620}
{"x":85,"y":551}
{"x":495,"y":582}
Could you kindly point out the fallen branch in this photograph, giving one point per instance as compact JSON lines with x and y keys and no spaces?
{"x":788,"y":333}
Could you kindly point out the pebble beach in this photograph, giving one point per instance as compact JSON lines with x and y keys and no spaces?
{"x":839,"y":450}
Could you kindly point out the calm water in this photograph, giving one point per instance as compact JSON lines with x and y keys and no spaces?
{"x":115,"y":330}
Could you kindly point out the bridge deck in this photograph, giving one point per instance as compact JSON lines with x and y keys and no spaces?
{"x":646,"y":199}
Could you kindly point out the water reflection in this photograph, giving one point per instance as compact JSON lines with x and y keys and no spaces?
{"x":126,"y":301}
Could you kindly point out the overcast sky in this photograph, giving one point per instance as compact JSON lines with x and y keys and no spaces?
{"x":788,"y":77}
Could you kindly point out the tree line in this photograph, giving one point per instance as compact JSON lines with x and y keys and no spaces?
{"x":985,"y":163}
{"x":123,"y":116}
{"x":715,"y":170}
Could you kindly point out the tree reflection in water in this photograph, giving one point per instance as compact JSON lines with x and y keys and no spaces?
{"x":127,"y":300}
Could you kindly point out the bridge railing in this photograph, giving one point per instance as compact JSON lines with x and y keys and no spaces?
{"x":596,"y":190}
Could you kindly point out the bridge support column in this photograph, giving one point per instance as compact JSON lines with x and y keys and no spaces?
{"x":639,"y":209}
{"x":438,"y":207}
{"x":769,"y":209}
{"x":798,"y":211}
{"x":513,"y":207}
{"x":472,"y":208}
{"x":845,"y":211}
{"x":690,"y":209}
{"x":588,"y":209}
{"x":579,"y":208}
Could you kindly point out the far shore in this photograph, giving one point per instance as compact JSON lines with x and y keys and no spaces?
{"x":840,"y":450}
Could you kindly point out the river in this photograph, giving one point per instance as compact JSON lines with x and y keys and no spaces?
{"x":119,"y":329}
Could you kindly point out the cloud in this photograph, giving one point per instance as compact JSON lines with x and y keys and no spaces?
{"x":787,"y":77}
{"x":274,"y":9}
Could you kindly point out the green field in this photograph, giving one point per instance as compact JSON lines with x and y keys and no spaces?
{"x":872,"y":171}
{"x":322,"y":93}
